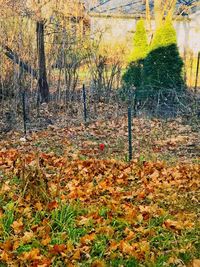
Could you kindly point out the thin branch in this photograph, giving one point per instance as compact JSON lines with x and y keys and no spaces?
{"x":17,"y":60}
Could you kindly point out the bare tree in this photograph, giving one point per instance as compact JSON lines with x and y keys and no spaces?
{"x":42,"y":80}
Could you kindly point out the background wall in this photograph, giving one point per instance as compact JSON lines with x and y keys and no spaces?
{"x":121,"y":29}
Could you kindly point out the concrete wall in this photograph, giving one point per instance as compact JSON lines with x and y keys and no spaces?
{"x":121,"y":29}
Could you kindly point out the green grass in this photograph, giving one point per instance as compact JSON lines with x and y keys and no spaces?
{"x":7,"y":219}
{"x":63,"y":220}
{"x":99,"y":246}
{"x":132,"y":262}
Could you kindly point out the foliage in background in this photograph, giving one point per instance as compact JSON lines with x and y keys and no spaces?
{"x":163,"y":67}
{"x":140,"y":43}
{"x":157,"y":72}
{"x":133,"y":74}
{"x":105,"y":64}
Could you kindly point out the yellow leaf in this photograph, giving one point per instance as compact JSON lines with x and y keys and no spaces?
{"x":98,"y":263}
{"x":77,"y":255}
{"x":144,"y":246}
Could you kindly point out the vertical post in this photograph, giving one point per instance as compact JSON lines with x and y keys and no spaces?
{"x":130,"y":134}
{"x":42,"y":81}
{"x":197,"y":73}
{"x":84,"y":103}
{"x":24,"y":110}
{"x":191,"y":66}
{"x":185,"y":64}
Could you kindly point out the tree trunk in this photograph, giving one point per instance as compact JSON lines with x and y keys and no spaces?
{"x":171,"y":8}
{"x":148,"y":14}
{"x":158,"y":13}
{"x":42,"y":81}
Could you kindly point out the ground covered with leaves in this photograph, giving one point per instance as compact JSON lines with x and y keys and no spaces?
{"x":66,"y":200}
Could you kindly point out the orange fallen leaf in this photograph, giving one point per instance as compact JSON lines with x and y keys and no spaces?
{"x":87,"y":238}
{"x":114,"y":245}
{"x":130,"y":234}
{"x":76,"y":255}
{"x":58,"y":248}
{"x":195,"y":263}
{"x":173,"y":224}
{"x":106,"y":230}
{"x":17,"y":226}
{"x":126,"y":248}
{"x":39,"y":206}
{"x":53,"y":205}
{"x":16,"y":244}
{"x":27,"y":237}
{"x":4,"y":256}
{"x":33,"y":254}
{"x":98,"y":263}
{"x":46,"y":240}
{"x":154,"y":175}
{"x":7,"y":245}
{"x":141,"y":195}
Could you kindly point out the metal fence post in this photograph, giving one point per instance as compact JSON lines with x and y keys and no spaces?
{"x":24,"y":110}
{"x":84,"y":103}
{"x":197,"y":73}
{"x":130,"y":134}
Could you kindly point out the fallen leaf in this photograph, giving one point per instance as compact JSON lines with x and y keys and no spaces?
{"x":17,"y":226}
{"x":58,"y":248}
{"x":31,"y":255}
{"x":27,"y":237}
{"x":98,"y":263}
{"x":87,"y":238}
{"x":45,"y":241}
{"x":76,"y":255}
{"x":195,"y":263}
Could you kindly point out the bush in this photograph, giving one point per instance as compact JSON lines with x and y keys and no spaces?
{"x":163,"y":67}
{"x":133,"y":74}
{"x":140,"y":43}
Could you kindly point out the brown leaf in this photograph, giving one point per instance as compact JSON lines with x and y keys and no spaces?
{"x":7,"y":245}
{"x":53,"y":205}
{"x":58,"y":248}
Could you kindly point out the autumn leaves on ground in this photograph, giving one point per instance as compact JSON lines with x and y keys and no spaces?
{"x":69,"y":197}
